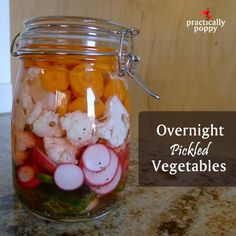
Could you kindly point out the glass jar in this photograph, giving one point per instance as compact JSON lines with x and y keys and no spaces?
{"x":71,"y":116}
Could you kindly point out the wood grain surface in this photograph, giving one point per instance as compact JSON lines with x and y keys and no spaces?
{"x":190,"y":71}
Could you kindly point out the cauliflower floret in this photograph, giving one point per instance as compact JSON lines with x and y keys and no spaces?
{"x":36,"y":90}
{"x":18,"y":117}
{"x":59,"y":150}
{"x":116,"y":126}
{"x":25,"y":99}
{"x":47,"y":125}
{"x":34,"y":115}
{"x":39,"y":94}
{"x":25,"y":104}
{"x":79,"y":128}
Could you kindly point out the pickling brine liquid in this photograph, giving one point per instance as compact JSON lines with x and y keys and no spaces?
{"x":70,"y":135}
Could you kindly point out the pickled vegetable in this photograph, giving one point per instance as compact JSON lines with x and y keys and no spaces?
{"x":70,"y":133}
{"x":80,"y":104}
{"x":115,"y":87}
{"x":81,"y":80}
{"x":55,"y":78}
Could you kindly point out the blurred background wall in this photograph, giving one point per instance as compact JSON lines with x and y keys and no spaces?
{"x":190,"y":71}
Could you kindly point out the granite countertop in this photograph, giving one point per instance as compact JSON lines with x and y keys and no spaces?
{"x":144,"y":210}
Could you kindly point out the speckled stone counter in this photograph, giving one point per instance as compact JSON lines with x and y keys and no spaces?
{"x":144,"y":211}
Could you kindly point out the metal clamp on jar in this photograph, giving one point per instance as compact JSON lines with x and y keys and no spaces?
{"x":71,"y":115}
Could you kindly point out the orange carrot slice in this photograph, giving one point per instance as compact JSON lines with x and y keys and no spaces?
{"x":115,"y":87}
{"x":81,"y":80}
{"x":55,"y":78}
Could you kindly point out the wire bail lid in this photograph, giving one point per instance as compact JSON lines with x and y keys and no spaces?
{"x":88,"y":28}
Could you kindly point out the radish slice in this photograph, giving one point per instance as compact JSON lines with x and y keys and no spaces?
{"x":68,"y":177}
{"x":105,"y":189}
{"x":96,"y":157}
{"x":27,"y":176}
{"x":38,"y":94}
{"x":103,"y":177}
{"x":42,"y":161}
{"x":25,"y":173}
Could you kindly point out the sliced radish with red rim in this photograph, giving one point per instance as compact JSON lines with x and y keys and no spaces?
{"x":68,"y":177}
{"x":27,"y":176}
{"x":105,"y":189}
{"x":96,"y":157}
{"x":103,"y":177}
{"x":41,"y":160}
